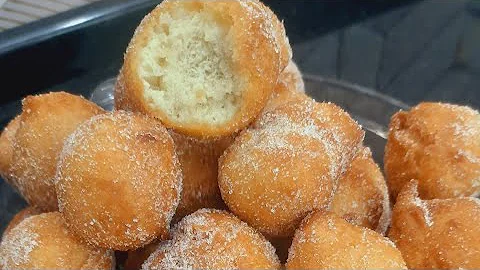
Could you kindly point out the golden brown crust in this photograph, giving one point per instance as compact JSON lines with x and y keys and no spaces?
{"x":213,"y":239}
{"x":119,"y":181}
{"x":438,"y":233}
{"x":362,"y":195}
{"x":438,"y":145}
{"x":43,"y":242}
{"x":6,"y":149}
{"x":290,"y":87}
{"x":292,"y":77}
{"x":325,"y":241}
{"x":287,"y":164}
{"x":260,"y":52}
{"x":46,"y":121}
{"x":199,"y":162}
{"x":20,"y":216}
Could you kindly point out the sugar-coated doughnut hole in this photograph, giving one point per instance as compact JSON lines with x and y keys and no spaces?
{"x":362,"y":194}
{"x":288,"y":164}
{"x":438,"y":145}
{"x":44,"y":242}
{"x":437,"y":233}
{"x":213,"y":239}
{"x":119,"y":181}
{"x":326,"y":241}
{"x":46,"y":121}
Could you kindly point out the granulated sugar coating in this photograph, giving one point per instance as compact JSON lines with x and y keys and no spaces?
{"x":199,"y":162}
{"x":119,"y":181}
{"x":213,"y":239}
{"x":46,"y":121}
{"x":325,"y":241}
{"x":204,"y":68}
{"x":6,"y":149}
{"x":288,"y":164}
{"x":290,"y":87}
{"x":43,"y":242}
{"x":20,"y":216}
{"x":362,"y":195}
{"x":437,"y":144}
{"x":291,"y":75}
{"x":438,"y":233}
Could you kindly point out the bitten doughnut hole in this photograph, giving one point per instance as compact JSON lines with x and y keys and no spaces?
{"x":187,"y":66}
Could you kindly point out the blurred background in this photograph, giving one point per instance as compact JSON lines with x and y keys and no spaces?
{"x":410,"y":50}
{"x":14,"y":13}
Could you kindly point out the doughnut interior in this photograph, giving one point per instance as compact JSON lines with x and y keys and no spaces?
{"x":187,"y":68}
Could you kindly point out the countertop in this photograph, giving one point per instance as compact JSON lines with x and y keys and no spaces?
{"x":424,"y":51}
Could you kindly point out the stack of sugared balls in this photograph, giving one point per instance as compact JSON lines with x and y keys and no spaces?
{"x":215,"y":158}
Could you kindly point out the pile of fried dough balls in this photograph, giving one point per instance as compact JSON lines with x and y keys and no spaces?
{"x":215,"y":158}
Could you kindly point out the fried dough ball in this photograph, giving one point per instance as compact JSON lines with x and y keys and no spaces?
{"x":6,"y":149}
{"x":43,"y":242}
{"x":204,"y":68}
{"x":119,"y":181}
{"x":290,"y":87}
{"x":325,"y":241}
{"x":213,"y":239}
{"x":136,"y":258}
{"x":438,"y":233}
{"x":362,"y":195}
{"x":199,"y":162}
{"x":20,"y":216}
{"x":287,"y":165}
{"x":292,"y":77}
{"x":46,"y":121}
{"x":437,"y":144}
